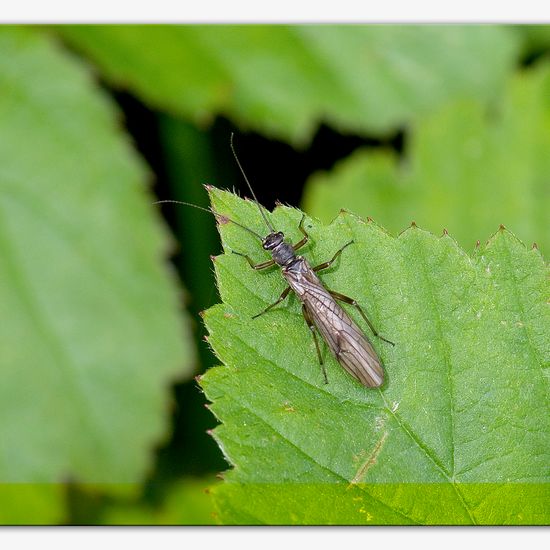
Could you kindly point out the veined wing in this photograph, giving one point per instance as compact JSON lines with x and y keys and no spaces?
{"x":345,"y":339}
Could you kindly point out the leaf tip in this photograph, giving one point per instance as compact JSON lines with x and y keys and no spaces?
{"x":445,"y":232}
{"x":212,"y":257}
{"x":535,"y":246}
{"x":477,"y":243}
{"x":209,"y":187}
{"x":413,"y":224}
{"x":501,"y":227}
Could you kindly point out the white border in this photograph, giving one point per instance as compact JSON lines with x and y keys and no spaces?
{"x":243,"y":538}
{"x":281,"y":11}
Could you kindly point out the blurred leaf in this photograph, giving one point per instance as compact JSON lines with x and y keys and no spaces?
{"x":188,"y":503}
{"x":91,"y":331}
{"x":466,"y":169}
{"x":535,"y":38}
{"x":285,"y":80}
{"x":461,"y":421}
{"x":32,"y":504}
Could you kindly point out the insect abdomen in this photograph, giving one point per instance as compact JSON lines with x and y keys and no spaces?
{"x":349,"y":345}
{"x":346,"y":341}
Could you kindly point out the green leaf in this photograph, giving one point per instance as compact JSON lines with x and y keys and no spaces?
{"x":187,"y":503}
{"x":31,"y":504}
{"x":459,"y":433}
{"x":466,"y":169}
{"x":535,"y":38}
{"x":357,"y":78}
{"x":91,"y":331}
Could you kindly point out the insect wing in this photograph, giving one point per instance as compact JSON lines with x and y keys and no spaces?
{"x":344,"y":338}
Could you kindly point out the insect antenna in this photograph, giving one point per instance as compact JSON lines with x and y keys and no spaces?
{"x":219,"y":216}
{"x":270,"y":227}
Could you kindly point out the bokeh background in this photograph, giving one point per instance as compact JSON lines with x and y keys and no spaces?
{"x":101,"y":420}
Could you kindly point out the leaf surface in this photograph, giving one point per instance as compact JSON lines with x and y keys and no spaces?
{"x":283,"y":81}
{"x":186,"y":503}
{"x":91,"y":335}
{"x":32,"y":504}
{"x":461,"y":420}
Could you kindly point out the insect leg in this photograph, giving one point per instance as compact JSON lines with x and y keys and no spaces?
{"x":261,"y":265}
{"x":311,"y":326}
{"x":301,"y":243}
{"x":279,"y":300}
{"x":352,"y":302}
{"x":330,"y":262}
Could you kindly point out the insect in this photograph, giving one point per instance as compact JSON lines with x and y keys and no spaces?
{"x":321,"y":311}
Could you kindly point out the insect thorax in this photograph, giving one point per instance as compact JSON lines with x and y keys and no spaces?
{"x":295,"y":270}
{"x":283,"y":254}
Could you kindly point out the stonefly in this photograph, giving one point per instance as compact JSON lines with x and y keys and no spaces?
{"x":321,"y":311}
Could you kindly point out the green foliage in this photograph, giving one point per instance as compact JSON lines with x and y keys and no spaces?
{"x":284,"y":80}
{"x":535,"y":39}
{"x":27,"y":503}
{"x":465,"y":169}
{"x":91,"y":333}
{"x":188,"y":503}
{"x":92,"y":330}
{"x":461,"y":421}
